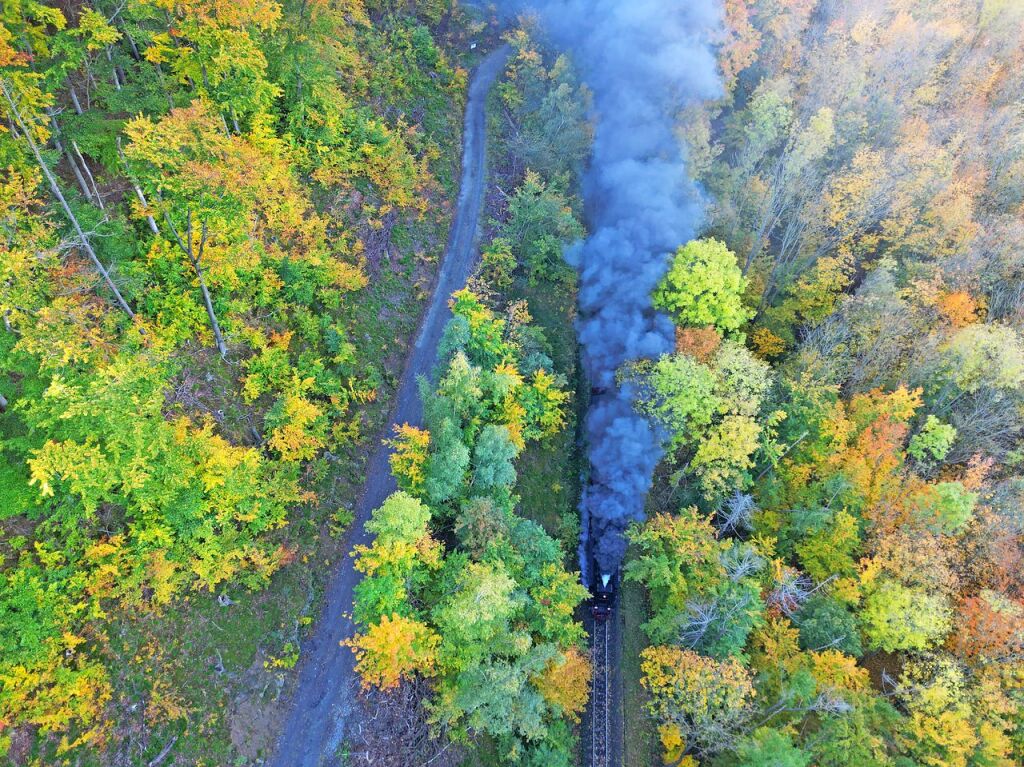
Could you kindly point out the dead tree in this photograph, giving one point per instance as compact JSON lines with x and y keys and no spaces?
{"x":72,"y":163}
{"x":195,"y":258}
{"x":395,"y":731}
{"x":138,"y":189}
{"x":52,"y":181}
{"x":88,"y":174}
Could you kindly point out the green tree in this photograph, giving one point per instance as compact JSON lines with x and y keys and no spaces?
{"x":678,"y":558}
{"x":704,"y":286}
{"x":447,"y":465}
{"x":475,"y":618}
{"x":825,"y":623}
{"x":497,"y":264}
{"x":480,"y":523}
{"x":933,"y":441}
{"x":945,"y":507}
{"x":712,"y":410}
{"x":864,"y":736}
{"x":540,"y":221}
{"x":770,"y":748}
{"x":896,"y":617}
{"x":493,"y":455}
{"x":678,"y":392}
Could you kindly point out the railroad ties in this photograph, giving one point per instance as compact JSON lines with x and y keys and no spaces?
{"x":600,"y":696}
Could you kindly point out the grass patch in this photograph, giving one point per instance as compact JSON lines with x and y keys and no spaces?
{"x":640,"y":747}
{"x":549,"y":470}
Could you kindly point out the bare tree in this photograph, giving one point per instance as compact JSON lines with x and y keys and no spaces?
{"x":55,"y":188}
{"x":736,"y":515}
{"x":195,"y":257}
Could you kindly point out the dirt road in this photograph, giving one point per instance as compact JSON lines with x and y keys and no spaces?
{"x":325,"y":695}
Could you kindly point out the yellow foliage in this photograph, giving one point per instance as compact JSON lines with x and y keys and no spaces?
{"x":672,"y":743}
{"x":767,"y":345}
{"x":565,"y":682}
{"x":294,"y":439}
{"x":838,"y":671}
{"x":409,"y":457}
{"x":394,"y":649}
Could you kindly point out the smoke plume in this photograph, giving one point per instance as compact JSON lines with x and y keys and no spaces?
{"x":643,"y":60}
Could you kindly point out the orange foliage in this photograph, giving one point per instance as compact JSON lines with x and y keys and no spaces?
{"x":700,"y":343}
{"x":990,"y":627}
{"x":959,"y":308}
{"x":742,"y":41}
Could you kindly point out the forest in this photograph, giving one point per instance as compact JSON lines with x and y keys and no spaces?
{"x":832,"y":558}
{"x":756,"y":261}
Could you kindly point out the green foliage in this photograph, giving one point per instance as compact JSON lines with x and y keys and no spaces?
{"x":548,"y":109}
{"x":865,"y":735}
{"x":679,"y":395}
{"x":770,"y":748}
{"x":825,"y":623}
{"x":945,"y":506}
{"x":704,"y":286}
{"x":828,"y":542}
{"x":505,"y":662}
{"x":986,"y":355}
{"x":678,"y":558}
{"x":492,"y":459}
{"x":226,"y":159}
{"x":704,"y":592}
{"x":447,"y":465}
{"x":540,"y":222}
{"x":881,"y":502}
{"x":480,"y":523}
{"x":897,"y":617}
{"x":711,"y":409}
{"x":933,"y":441}
{"x":497,"y":263}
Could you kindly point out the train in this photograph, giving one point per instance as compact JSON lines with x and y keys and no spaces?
{"x":602,"y":595}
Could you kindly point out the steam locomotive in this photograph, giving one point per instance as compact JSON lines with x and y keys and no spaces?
{"x":603,"y":595}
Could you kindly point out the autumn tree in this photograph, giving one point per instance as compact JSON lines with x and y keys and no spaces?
{"x":704,"y":701}
{"x":704,"y":287}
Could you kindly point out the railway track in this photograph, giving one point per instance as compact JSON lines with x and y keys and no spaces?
{"x":601,"y":696}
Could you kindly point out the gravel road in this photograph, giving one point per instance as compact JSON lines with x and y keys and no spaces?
{"x":324,"y":698}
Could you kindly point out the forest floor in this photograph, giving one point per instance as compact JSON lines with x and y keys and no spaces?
{"x":326,"y":689}
{"x":640,"y":740}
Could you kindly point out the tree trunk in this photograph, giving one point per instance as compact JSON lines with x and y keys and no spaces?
{"x":86,"y":192}
{"x":74,"y":98}
{"x":131,"y":40}
{"x":88,"y":173}
{"x":195,"y":259}
{"x":135,"y":185}
{"x":52,"y":181}
{"x":113,"y":68}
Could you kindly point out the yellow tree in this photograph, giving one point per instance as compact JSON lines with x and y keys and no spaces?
{"x":565,"y":682}
{"x":705,"y":701}
{"x":394,"y":649}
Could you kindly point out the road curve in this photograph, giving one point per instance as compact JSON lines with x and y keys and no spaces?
{"x":327,"y":683}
